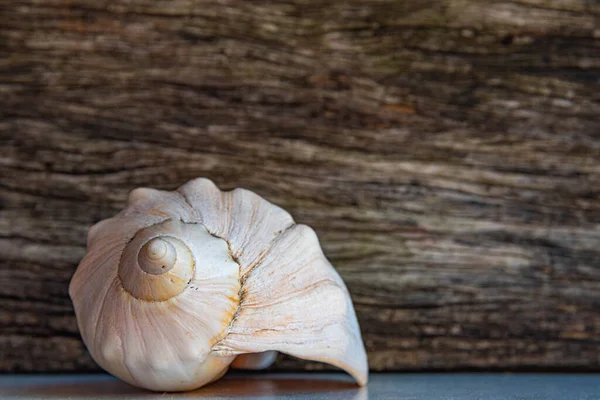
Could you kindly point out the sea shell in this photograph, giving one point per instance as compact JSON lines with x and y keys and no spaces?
{"x":181,"y":285}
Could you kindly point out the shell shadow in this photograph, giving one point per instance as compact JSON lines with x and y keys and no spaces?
{"x":230,"y":387}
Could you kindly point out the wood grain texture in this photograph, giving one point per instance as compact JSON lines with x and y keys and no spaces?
{"x":447,"y":152}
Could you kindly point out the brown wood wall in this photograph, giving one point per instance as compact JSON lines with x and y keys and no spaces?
{"x":447,"y":152}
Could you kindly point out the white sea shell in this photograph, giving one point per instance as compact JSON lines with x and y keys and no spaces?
{"x":179,"y":286}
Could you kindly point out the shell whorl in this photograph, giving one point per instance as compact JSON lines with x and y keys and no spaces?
{"x":158,"y":256}
{"x":157,"y":265}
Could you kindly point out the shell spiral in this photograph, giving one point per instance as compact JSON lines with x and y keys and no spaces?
{"x":182,"y":285}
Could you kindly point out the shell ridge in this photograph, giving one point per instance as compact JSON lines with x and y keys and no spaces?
{"x":303,"y":291}
{"x":127,"y":360}
{"x":126,"y":366}
{"x":101,"y":311}
{"x":255,"y":205}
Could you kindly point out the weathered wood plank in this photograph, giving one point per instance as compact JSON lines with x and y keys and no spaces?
{"x":446,"y":152}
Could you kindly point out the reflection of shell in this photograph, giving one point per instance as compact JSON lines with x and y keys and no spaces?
{"x":178,"y":284}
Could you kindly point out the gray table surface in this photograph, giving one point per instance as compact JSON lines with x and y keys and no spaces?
{"x":265,"y":386}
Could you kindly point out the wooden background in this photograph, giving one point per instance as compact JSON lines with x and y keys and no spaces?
{"x":447,"y":152}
